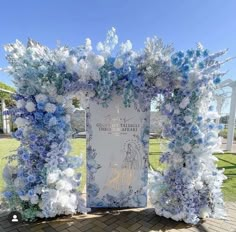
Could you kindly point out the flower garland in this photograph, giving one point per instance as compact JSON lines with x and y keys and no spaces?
{"x":44,"y":182}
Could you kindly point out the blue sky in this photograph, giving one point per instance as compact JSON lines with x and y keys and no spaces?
{"x":181,"y":22}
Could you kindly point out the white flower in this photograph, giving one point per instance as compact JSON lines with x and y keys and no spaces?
{"x":118,"y":63}
{"x":63,"y":198}
{"x":184,"y":103}
{"x":24,"y":198}
{"x":88,"y":45}
{"x":204,"y":213}
{"x":100,"y":46}
{"x":198,"y":185}
{"x":30,"y":106}
{"x":34,"y":199}
{"x":50,"y":108}
{"x":99,"y":61}
{"x":188,"y":119}
{"x":71,"y":63}
{"x":52,"y":177}
{"x":125,"y":47}
{"x":187,"y":147}
{"x":40,"y":98}
{"x":20,"y":103}
{"x":168,"y":107}
{"x":69,"y":172}
{"x":40,"y":214}
{"x":60,"y":99}
{"x":63,"y":184}
{"x":21,"y":122}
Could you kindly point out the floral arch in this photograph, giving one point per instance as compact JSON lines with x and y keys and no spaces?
{"x":44,"y":182}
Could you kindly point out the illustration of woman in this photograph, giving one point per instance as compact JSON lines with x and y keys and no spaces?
{"x":132,"y":158}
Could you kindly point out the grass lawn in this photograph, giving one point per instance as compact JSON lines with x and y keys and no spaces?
{"x":226,"y":161}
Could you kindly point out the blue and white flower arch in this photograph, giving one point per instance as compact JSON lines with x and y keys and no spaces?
{"x":44,"y":182}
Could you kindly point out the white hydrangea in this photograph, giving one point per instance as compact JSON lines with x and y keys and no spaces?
{"x":99,"y":61}
{"x":118,"y":63}
{"x":60,"y":99}
{"x":53,"y":177}
{"x":69,"y":172}
{"x":64,"y":184}
{"x":40,"y":98}
{"x":20,"y":103}
{"x":30,"y":106}
{"x":198,"y":185}
{"x":21,"y":122}
{"x":50,"y":108}
{"x":71,"y":63}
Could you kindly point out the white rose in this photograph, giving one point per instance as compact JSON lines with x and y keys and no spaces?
{"x":50,"y":108}
{"x":30,"y":106}
{"x":187,"y":147}
{"x":118,"y":63}
{"x":20,"y":103}
{"x":99,"y":61}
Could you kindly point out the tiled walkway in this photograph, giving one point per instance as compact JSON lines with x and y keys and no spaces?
{"x":132,"y":220}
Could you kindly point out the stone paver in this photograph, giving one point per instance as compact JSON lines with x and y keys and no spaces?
{"x":126,"y":220}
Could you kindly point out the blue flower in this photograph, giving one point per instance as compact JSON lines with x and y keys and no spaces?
{"x":31,"y":178}
{"x":8,"y":194}
{"x":32,"y":137}
{"x":201,"y":65}
{"x":198,"y":53}
{"x":200,"y":141}
{"x":93,"y":190}
{"x":180,"y":54}
{"x":25,"y":156}
{"x":190,"y":53}
{"x":205,"y":53}
{"x":211,"y":108}
{"x":20,"y":193}
{"x":31,"y":192}
{"x":18,"y":134}
{"x":194,"y":130}
{"x":185,"y":67}
{"x":38,"y":115}
{"x":217,"y":80}
{"x":41,"y":105}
